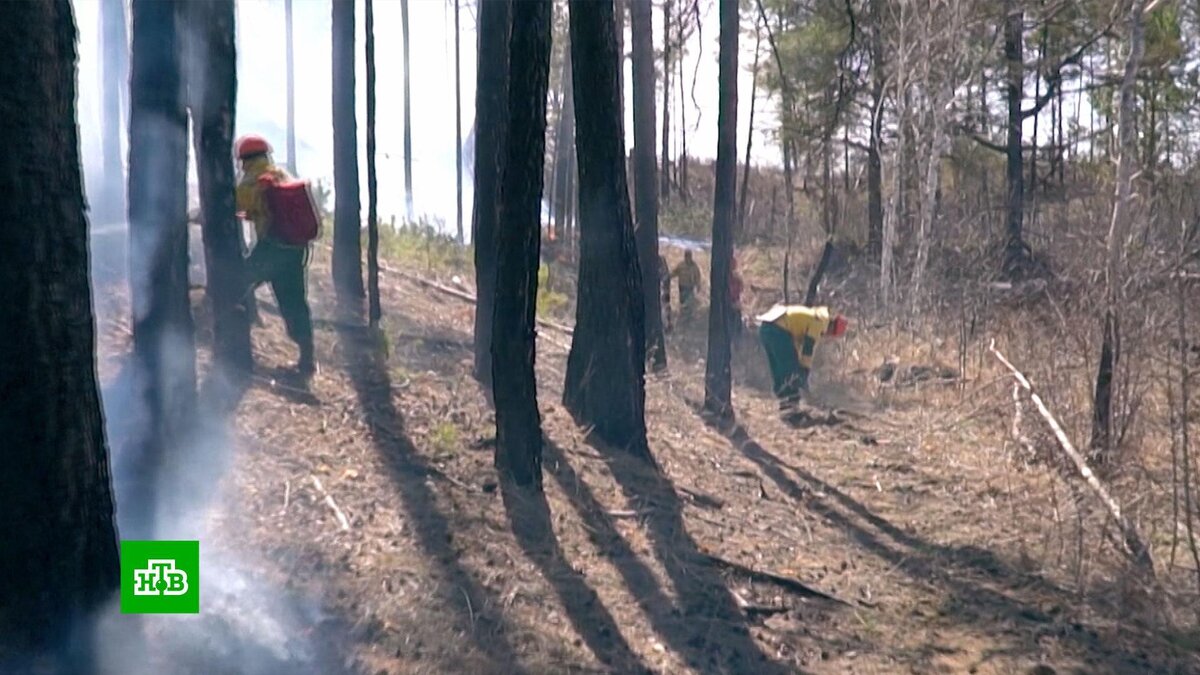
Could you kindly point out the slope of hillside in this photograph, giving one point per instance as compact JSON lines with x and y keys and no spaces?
{"x":872,"y":539}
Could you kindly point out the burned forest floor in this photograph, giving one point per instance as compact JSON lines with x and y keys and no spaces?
{"x":886,"y":532}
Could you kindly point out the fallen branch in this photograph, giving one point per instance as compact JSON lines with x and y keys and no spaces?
{"x":463,"y":295}
{"x":341,"y":517}
{"x":788,"y":583}
{"x":1135,"y":546}
{"x":755,"y":609}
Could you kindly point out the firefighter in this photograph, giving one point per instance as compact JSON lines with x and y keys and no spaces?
{"x":688,"y":274}
{"x":735,"y":299}
{"x":283,"y":267}
{"x":789,"y":335}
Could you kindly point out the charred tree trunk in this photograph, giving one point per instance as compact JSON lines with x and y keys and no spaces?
{"x":213,"y":92}
{"x":347,"y":223}
{"x":291,"y":87}
{"x":606,"y":368}
{"x":458,"y":121}
{"x":408,"y":183}
{"x":115,"y":63}
{"x":491,"y":126}
{"x":164,"y":354}
{"x":875,"y":148}
{"x":518,"y":423}
{"x":564,"y":150}
{"x":664,"y":188}
{"x":375,"y":311}
{"x":681,"y":167}
{"x":742,"y":201}
{"x":60,"y":542}
{"x":717,"y":376}
{"x":644,"y":169}
{"x":1016,"y":252}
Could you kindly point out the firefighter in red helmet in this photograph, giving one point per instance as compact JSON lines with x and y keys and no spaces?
{"x":273,"y":262}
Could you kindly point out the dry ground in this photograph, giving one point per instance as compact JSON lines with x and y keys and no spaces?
{"x":902,"y":507}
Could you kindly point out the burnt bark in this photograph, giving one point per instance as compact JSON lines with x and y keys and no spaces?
{"x":60,"y":543}
{"x":518,"y":423}
{"x":164,"y":353}
{"x":374,"y":310}
{"x":875,"y":147}
{"x":1016,"y":251}
{"x":212,"y":92}
{"x":718,"y":380}
{"x":606,"y":367}
{"x":458,"y":159}
{"x":645,"y":174}
{"x":347,"y":223}
{"x":491,"y":126}
{"x":664,"y":190}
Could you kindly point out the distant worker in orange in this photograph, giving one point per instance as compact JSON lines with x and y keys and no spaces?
{"x":735,"y":299}
{"x":789,"y":334}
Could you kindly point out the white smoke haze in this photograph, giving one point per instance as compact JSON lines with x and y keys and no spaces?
{"x":248,"y":622}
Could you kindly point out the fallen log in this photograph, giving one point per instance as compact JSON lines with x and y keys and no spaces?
{"x":463,"y":295}
{"x":1135,"y":546}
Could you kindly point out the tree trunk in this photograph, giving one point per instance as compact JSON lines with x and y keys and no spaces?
{"x":347,"y":218}
{"x":681,"y":167}
{"x":1015,"y":250}
{"x":664,"y":188}
{"x":606,"y":367}
{"x":213,"y":92}
{"x":564,"y":150}
{"x":741,"y":218}
{"x":717,"y":377}
{"x":408,"y":182}
{"x":375,"y":311}
{"x":115,"y":62}
{"x":291,"y":88}
{"x":458,"y":122}
{"x":1102,"y":441}
{"x":874,"y":149}
{"x":164,"y":354}
{"x":60,"y":542}
{"x":491,"y":126}
{"x":645,"y":167}
{"x":518,"y":423}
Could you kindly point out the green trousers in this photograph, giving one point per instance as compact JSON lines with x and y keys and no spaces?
{"x":788,"y":376}
{"x":285,"y":269}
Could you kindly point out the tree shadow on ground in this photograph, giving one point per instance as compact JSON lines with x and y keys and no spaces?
{"x":368,"y":371}
{"x":703,"y":626}
{"x":968,"y":573}
{"x":529,"y":516}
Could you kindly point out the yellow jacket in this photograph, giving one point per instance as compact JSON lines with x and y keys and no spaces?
{"x":250,"y":200}
{"x":806,"y":325}
{"x":688,"y":273}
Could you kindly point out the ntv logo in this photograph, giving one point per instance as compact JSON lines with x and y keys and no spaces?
{"x":160,"y":578}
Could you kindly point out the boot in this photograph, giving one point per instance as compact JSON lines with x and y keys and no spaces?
{"x":307,"y":365}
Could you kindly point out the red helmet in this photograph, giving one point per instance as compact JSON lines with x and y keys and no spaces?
{"x":838,"y":326}
{"x":251,"y":145}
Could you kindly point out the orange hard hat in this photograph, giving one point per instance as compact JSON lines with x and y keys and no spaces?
{"x":838,"y":326}
{"x":251,"y":145}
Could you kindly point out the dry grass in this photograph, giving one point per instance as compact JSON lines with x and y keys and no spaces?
{"x":954,"y":551}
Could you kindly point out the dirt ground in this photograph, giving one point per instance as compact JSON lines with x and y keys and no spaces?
{"x":885,"y":534}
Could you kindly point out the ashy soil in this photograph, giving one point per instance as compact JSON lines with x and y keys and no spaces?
{"x":880,"y":533}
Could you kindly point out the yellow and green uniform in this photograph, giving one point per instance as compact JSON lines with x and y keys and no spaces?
{"x":273,"y":262}
{"x":790,"y":334}
{"x":688,"y":274}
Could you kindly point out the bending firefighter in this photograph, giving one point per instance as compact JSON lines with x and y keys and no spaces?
{"x":277,"y":262}
{"x":790,"y":334}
